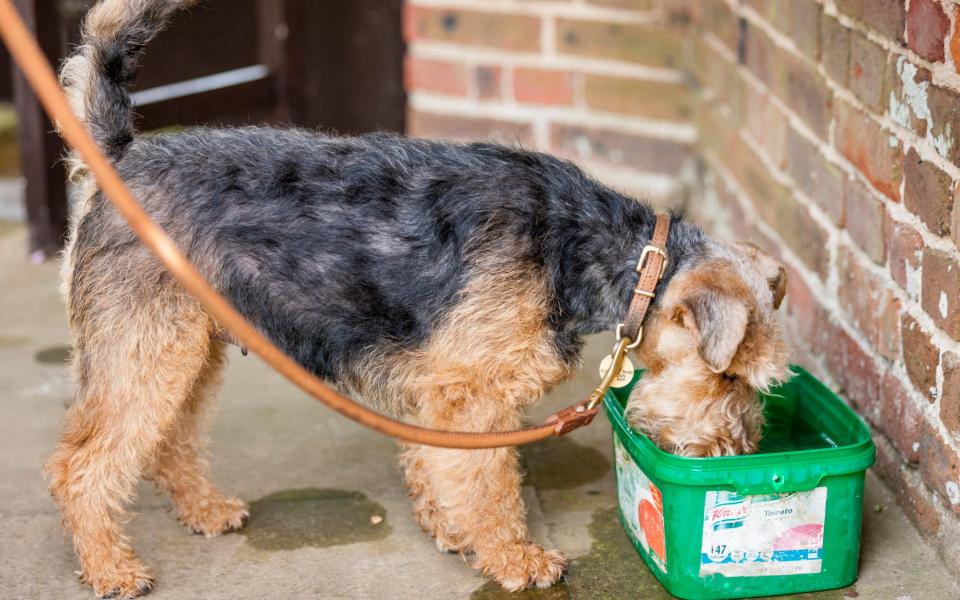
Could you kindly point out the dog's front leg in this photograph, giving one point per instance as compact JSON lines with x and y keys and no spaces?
{"x":470,"y":499}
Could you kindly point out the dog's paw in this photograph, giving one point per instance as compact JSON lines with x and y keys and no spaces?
{"x":520,"y":566}
{"x":214,"y":516}
{"x":128,"y":579}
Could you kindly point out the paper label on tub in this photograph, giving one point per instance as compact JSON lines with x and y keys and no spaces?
{"x":766,"y":534}
{"x":642,"y":506}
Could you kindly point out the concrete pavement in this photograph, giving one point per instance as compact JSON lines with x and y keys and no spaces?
{"x":330,"y":513}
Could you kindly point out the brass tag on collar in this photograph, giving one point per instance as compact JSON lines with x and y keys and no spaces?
{"x":626,"y":371}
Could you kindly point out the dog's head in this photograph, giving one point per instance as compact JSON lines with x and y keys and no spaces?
{"x":709,"y":345}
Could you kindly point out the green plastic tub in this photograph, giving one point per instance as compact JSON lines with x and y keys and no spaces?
{"x":783,"y":521}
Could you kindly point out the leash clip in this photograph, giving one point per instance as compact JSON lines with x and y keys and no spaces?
{"x":618,"y":354}
{"x":630,"y":346}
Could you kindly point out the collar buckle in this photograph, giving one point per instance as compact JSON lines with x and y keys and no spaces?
{"x":647,"y":251}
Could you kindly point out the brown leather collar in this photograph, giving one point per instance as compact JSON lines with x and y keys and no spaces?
{"x":651,"y":266}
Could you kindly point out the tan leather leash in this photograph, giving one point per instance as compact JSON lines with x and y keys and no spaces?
{"x":39,"y":73}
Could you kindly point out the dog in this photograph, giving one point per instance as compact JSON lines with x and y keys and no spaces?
{"x":448,"y":284}
{"x":710,"y":346}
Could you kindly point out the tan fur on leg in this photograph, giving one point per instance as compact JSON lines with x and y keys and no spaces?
{"x":180,"y":470}
{"x":493,"y":357}
{"x":134,"y":364}
{"x":426,"y":507}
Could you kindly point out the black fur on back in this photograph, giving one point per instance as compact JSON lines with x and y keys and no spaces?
{"x":334,"y":246}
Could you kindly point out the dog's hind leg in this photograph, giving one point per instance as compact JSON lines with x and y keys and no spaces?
{"x":137,"y":355}
{"x":491,"y":359}
{"x":181,"y":471}
{"x":475,"y":494}
{"x":427,"y":508}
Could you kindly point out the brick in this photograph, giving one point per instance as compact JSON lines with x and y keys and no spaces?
{"x":955,"y":42}
{"x":806,"y":93}
{"x":808,"y":328}
{"x":805,"y":313}
{"x":628,"y":4}
{"x":680,"y":13}
{"x":886,"y":16}
{"x":759,"y":54}
{"x":901,"y":418}
{"x":716,"y":207}
{"x":718,"y":20}
{"x":805,"y":26}
{"x":767,"y":125}
{"x":799,"y":86}
{"x":864,"y":143}
{"x":834,"y":48}
{"x":776,"y":205}
{"x":913,"y":498}
{"x":800,"y":302}
{"x":902,"y":108}
{"x":644,"y":44}
{"x":944,"y":105}
{"x":488,"y":80}
{"x":927,"y":27}
{"x":941,"y":290}
{"x":920,"y":357}
{"x":868,"y":65}
{"x":940,"y":467}
{"x":723,"y":78}
{"x":717,"y":133}
{"x":816,"y":177}
{"x":472,"y":28}
{"x":853,"y":369}
{"x":865,"y":218}
{"x":870,"y":304}
{"x":542,"y":86}
{"x":424,"y":124}
{"x":720,"y":211}
{"x":801,"y":233}
{"x":639,"y":152}
{"x":654,"y":99}
{"x":928,"y":193}
{"x":777,"y":14}
{"x":950,"y":399}
{"x":955,"y":223}
{"x":905,"y":252}
{"x":435,"y":76}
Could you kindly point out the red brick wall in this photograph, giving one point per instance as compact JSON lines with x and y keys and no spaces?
{"x":603,"y":82}
{"x":826,"y":130}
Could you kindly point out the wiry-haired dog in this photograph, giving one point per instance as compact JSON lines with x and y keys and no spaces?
{"x":447,"y":283}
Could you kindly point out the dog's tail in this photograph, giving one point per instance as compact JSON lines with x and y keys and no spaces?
{"x":97,"y":75}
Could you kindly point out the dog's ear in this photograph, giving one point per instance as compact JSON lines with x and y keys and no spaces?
{"x":720,"y":323}
{"x":770,"y":267}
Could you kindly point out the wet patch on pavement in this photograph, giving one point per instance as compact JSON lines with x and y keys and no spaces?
{"x":492,"y":591}
{"x":561,"y":464}
{"x":54,"y":355}
{"x":612,"y":569}
{"x":312,"y":517}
